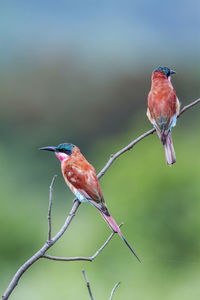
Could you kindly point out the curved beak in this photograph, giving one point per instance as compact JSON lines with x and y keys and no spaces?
{"x":172,"y":72}
{"x":54,"y":149}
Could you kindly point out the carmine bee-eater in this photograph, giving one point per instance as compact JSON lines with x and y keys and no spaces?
{"x":81,"y":178}
{"x":163,"y":108}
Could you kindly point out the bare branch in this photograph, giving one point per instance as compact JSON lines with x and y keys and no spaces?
{"x":113,"y":290}
{"x":40,"y":252}
{"x":186,"y":107}
{"x":141,"y":137}
{"x":50,"y":242}
{"x":50,"y":206}
{"x":90,"y":258}
{"x":123,"y":150}
{"x":59,"y":258}
{"x":104,"y":245}
{"x":88,"y":285}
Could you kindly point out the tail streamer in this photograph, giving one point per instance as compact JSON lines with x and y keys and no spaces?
{"x":113,"y":225}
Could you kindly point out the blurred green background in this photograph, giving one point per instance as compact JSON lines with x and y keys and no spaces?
{"x":79,"y":71}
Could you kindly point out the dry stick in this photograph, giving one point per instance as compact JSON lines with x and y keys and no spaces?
{"x":113,"y":290}
{"x":40,"y":253}
{"x":75,"y":206}
{"x":186,"y":107}
{"x":88,"y":285}
{"x":134,"y":142}
{"x":50,"y":206}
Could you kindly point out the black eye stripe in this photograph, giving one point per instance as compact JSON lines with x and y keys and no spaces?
{"x":68,"y":152}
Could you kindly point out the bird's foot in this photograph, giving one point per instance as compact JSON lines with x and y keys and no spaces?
{"x":76,"y":199}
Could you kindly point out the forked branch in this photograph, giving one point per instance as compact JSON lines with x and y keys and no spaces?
{"x":90,"y":258}
{"x":45,"y":247}
{"x":49,"y":243}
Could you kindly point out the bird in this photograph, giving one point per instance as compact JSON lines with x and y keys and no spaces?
{"x":81,"y":178}
{"x":163,"y":109}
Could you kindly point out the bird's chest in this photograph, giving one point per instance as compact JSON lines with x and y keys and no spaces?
{"x":160,"y":93}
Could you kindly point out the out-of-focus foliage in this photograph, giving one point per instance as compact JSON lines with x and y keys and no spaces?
{"x":81,"y":74}
{"x":160,"y":208}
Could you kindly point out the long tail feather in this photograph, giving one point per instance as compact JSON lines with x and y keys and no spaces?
{"x":113,"y":225}
{"x":166,"y":140}
{"x":169,"y":150}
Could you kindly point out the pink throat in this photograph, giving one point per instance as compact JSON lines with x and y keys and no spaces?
{"x":62,"y":156}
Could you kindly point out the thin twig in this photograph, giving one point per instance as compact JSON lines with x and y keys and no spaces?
{"x":90,"y":258}
{"x":186,"y":107}
{"x":113,"y":290}
{"x":75,"y":206}
{"x":50,"y":206}
{"x":134,"y":142}
{"x":123,"y":150}
{"x":88,"y":285}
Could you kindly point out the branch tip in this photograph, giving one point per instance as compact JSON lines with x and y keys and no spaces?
{"x":88,"y":285}
{"x":50,"y":206}
{"x":113,"y":290}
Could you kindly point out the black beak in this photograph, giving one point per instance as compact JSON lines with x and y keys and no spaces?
{"x":54,"y":149}
{"x":172,"y":72}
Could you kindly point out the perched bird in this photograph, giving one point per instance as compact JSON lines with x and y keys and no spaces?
{"x":163,"y":108}
{"x":81,"y":178}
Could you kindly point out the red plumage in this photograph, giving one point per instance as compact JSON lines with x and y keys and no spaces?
{"x":163,"y":107}
{"x":161,"y":98}
{"x":80,"y":176}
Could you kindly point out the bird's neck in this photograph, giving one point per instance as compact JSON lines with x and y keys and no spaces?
{"x":62,"y":156}
{"x":159,"y":79}
{"x":158,"y":75}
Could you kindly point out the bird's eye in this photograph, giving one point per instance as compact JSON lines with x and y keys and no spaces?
{"x":68,"y":152}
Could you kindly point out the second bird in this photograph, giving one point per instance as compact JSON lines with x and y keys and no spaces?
{"x":163,"y":108}
{"x":81,"y":178}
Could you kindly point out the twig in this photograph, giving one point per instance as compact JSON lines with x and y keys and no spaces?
{"x":51,"y":242}
{"x":90,"y":258}
{"x":186,"y":107}
{"x":50,"y":206}
{"x":134,"y":142}
{"x":113,"y":290}
{"x":89,"y":289}
{"x":88,"y":285}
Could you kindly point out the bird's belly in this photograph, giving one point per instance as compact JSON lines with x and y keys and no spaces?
{"x":80,"y":197}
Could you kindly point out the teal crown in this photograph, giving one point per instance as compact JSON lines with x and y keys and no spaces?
{"x":166,"y":71}
{"x":66,"y":148}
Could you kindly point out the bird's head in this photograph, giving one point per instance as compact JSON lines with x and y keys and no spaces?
{"x":62,"y":151}
{"x":166,"y":71}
